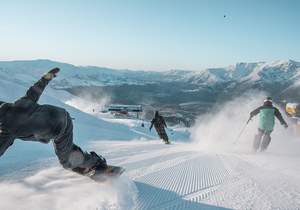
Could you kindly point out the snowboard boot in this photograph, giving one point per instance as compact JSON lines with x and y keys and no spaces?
{"x":109,"y":173}
{"x":91,"y":163}
{"x":96,"y":168}
{"x":113,"y":170}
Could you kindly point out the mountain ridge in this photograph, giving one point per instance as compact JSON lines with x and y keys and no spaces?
{"x":165,"y":91}
{"x":238,"y":72}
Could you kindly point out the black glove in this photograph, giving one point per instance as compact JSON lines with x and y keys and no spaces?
{"x":51,"y":74}
{"x":54,"y":71}
{"x":285,"y":125}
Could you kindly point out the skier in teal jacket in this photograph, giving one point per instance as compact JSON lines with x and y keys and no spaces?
{"x":267,"y":114}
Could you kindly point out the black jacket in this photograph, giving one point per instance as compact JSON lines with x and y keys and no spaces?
{"x":27,"y":120}
{"x":159,"y":122}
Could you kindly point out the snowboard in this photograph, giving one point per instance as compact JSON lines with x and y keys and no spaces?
{"x":109,"y":173}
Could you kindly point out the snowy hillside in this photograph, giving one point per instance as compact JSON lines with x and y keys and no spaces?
{"x":205,"y":169}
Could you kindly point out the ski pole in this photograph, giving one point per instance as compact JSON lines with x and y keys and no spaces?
{"x":241,"y":132}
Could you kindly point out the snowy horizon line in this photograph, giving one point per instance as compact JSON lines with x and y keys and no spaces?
{"x":273,"y":62}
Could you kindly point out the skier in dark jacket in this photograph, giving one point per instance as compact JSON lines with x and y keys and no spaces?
{"x":267,"y":114}
{"x":159,"y":123}
{"x":25,"y":119}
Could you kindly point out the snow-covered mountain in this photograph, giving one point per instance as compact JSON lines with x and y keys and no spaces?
{"x":182,"y":93}
{"x":74,"y":75}
{"x":279,"y":71}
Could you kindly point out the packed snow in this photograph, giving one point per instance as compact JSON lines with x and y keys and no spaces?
{"x":204,"y":168}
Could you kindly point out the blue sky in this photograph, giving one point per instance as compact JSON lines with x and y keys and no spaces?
{"x":152,"y":34}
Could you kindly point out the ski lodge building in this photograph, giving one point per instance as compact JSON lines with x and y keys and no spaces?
{"x":125,"y":110}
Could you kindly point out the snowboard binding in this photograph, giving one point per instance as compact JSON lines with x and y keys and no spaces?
{"x":107,"y":173}
{"x":100,"y":171}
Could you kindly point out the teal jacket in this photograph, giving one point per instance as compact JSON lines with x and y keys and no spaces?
{"x":267,"y":114}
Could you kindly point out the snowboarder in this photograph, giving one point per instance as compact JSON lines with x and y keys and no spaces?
{"x":159,"y":123}
{"x":267,"y":114}
{"x":25,"y":119}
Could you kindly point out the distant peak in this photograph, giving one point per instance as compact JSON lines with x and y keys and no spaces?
{"x":249,"y":63}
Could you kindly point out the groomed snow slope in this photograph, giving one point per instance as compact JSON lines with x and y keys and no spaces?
{"x":180,"y":177}
{"x":162,"y":177}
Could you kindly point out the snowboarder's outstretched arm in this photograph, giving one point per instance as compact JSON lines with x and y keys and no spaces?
{"x":280,"y":118}
{"x":35,"y":91}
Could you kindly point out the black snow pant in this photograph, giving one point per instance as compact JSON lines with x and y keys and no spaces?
{"x":70,"y":155}
{"x":262,"y":140}
{"x":162,"y":133}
